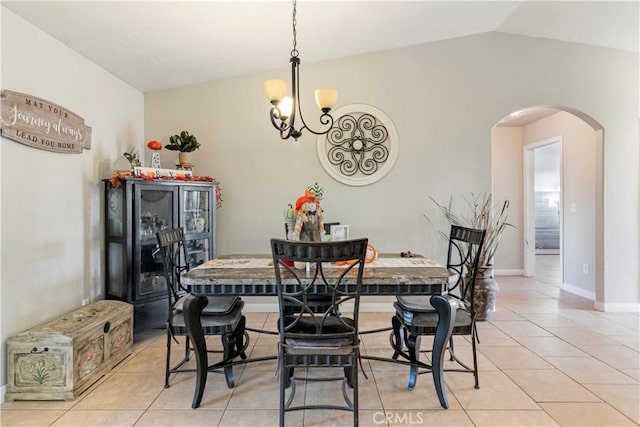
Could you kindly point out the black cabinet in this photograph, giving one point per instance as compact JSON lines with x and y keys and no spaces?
{"x":135,"y":211}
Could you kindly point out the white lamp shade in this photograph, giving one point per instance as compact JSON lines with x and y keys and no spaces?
{"x":326,"y":98}
{"x":285,"y":106}
{"x":275,"y":90}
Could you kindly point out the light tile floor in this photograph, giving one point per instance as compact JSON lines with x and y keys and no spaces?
{"x":546,"y":359}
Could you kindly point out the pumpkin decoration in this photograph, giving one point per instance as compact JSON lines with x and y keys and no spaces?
{"x":154,"y":145}
{"x":372,"y":255}
{"x":290,"y":212}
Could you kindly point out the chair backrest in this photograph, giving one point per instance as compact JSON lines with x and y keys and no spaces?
{"x":173,"y":250}
{"x":299,"y":288}
{"x":465,"y":245}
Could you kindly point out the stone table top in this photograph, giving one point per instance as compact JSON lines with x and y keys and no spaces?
{"x":254,"y":275}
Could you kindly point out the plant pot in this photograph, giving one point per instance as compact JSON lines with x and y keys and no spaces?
{"x":185,"y":158}
{"x":485,"y":293}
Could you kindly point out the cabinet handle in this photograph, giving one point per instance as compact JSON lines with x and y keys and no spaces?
{"x":107,"y":326}
{"x":35,"y":350}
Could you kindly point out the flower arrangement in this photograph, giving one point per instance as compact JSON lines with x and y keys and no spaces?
{"x":133,"y":157}
{"x":482,"y":214}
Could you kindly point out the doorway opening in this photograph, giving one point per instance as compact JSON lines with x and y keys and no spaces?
{"x":574,"y":208}
{"x":543,"y":210}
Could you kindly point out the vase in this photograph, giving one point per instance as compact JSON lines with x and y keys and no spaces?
{"x":185,"y":158}
{"x":290,"y":225}
{"x":155,"y":160}
{"x":485,"y":293}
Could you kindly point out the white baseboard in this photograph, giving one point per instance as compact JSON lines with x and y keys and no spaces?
{"x":508,"y":272}
{"x":254,"y":307}
{"x":377,"y":307}
{"x":617,"y":307}
{"x":578,"y":291}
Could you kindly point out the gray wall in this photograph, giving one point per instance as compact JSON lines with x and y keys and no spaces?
{"x":444,"y":98}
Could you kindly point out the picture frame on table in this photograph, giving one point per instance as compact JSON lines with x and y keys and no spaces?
{"x":339,"y":232}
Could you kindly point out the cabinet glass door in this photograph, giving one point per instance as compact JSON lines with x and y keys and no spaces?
{"x":116,"y":255}
{"x":197,"y":251}
{"x":196,"y":211}
{"x":155,"y":211}
{"x":196,"y":214}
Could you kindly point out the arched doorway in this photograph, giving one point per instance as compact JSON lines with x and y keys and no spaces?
{"x":581,"y":201}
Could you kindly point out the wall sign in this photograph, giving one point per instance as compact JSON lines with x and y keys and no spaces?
{"x":361,"y":147}
{"x":42,"y":124}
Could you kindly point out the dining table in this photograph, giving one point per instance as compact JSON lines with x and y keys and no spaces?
{"x":253,"y":275}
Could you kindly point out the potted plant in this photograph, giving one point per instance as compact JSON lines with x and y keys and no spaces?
{"x":185,"y":143}
{"x":482,"y":214}
{"x":133,"y":158}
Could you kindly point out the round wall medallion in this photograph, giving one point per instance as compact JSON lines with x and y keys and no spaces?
{"x":361,"y":147}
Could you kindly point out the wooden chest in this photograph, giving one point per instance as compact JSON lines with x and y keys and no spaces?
{"x":61,"y":359}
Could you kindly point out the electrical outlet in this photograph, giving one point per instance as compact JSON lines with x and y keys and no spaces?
{"x":86,"y":301}
{"x":585,"y":268}
{"x":573,"y":208}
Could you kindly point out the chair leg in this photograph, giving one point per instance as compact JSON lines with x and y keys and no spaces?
{"x":413,"y":345}
{"x":288,"y":375}
{"x":397,"y":337}
{"x":240,"y":338}
{"x":285,"y":381}
{"x":354,"y":381}
{"x":451,"y":350}
{"x":229,"y":348}
{"x":446,"y":318}
{"x":168,"y":363}
{"x":192,"y":310}
{"x":348,"y":374}
{"x":475,"y":357}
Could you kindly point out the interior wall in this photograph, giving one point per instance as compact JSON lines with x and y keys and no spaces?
{"x":507,"y":165}
{"x":444,"y":98}
{"x":52,"y":226}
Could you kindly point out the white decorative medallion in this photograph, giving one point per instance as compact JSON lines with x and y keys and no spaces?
{"x":361,"y":147}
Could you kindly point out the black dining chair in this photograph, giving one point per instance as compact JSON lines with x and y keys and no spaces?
{"x":416,"y":317}
{"x":316,"y":335}
{"x":221,"y":316}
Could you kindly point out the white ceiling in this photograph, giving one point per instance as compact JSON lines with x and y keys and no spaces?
{"x":155,"y":45}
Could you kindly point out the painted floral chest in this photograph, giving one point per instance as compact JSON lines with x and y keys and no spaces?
{"x":60,"y":359}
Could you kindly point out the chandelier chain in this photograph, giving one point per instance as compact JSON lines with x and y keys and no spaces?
{"x":294,"y":51}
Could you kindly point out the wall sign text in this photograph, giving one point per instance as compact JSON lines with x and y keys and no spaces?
{"x":42,"y":124}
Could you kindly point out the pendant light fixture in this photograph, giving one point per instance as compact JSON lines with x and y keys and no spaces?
{"x":284,"y":109}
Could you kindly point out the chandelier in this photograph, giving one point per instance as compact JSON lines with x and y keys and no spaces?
{"x":284,"y":109}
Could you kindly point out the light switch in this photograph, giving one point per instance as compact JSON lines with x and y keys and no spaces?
{"x":573,"y":208}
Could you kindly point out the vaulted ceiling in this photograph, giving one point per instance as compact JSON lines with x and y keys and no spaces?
{"x":154,"y":45}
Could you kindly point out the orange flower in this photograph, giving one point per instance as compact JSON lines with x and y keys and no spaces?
{"x":154,"y":145}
